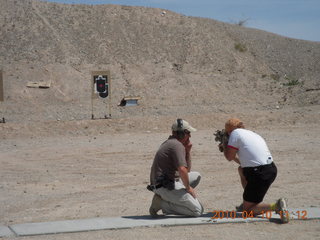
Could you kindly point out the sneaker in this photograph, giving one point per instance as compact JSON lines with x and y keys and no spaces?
{"x":239,"y":208}
{"x":155,"y":205}
{"x":282,"y":209}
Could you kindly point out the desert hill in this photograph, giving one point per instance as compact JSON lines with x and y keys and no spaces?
{"x":178,"y":65}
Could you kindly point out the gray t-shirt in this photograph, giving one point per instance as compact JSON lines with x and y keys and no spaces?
{"x":170,"y":156}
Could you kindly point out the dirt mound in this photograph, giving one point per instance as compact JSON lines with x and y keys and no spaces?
{"x":179,"y":65}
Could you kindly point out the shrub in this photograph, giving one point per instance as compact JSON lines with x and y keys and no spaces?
{"x":291,"y":82}
{"x":240,"y":47}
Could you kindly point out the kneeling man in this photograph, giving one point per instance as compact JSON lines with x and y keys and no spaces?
{"x":171,"y":179}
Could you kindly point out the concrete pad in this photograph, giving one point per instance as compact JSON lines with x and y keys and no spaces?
{"x":93,"y":224}
{"x":5,"y":232}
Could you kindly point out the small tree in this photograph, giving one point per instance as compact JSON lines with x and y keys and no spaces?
{"x":242,"y":22}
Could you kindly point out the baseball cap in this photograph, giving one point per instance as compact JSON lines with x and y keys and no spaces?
{"x":185,"y":126}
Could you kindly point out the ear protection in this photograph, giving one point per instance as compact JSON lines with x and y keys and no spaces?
{"x":180,"y":131}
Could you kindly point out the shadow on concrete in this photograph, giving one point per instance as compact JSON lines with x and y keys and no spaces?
{"x":148,"y":217}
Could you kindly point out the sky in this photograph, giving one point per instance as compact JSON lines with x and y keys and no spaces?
{"x":298,"y":19}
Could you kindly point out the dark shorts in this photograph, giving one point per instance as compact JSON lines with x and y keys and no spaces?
{"x":259,"y":180}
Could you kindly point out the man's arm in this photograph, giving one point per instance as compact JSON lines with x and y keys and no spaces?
{"x":183,"y":173}
{"x":188,"y":147}
{"x":188,"y":160}
{"x":231,"y":154}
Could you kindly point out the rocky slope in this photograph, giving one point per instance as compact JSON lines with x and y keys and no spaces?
{"x":178,"y":65}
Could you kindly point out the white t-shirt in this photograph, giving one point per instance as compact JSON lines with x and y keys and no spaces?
{"x":252,"y":149}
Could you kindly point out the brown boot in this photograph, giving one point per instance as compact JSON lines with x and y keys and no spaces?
{"x":155,"y":205}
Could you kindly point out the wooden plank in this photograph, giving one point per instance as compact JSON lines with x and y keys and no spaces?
{"x":38,"y":84}
{"x":32,"y":84}
{"x":131,"y":98}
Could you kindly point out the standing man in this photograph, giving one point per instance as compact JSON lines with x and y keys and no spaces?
{"x":170,"y":177}
{"x":257,"y":170}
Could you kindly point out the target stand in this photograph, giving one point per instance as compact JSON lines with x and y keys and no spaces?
{"x":101,"y":90}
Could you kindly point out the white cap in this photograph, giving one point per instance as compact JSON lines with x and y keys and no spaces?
{"x":184,"y":126}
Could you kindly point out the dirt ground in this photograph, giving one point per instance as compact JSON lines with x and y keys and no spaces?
{"x":103,"y":171}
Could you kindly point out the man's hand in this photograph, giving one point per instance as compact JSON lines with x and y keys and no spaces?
{"x":192,"y":192}
{"x":183,"y":172}
{"x":188,"y":146}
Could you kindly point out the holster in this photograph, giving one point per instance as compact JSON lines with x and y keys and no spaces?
{"x":162,"y":181}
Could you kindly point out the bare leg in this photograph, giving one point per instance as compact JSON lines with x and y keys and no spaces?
{"x":242,"y":177}
{"x":256,"y":208}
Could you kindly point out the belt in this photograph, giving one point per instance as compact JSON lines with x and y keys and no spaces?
{"x":154,"y":187}
{"x":261,"y":166}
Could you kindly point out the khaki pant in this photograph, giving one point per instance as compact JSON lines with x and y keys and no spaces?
{"x":178,"y":201}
